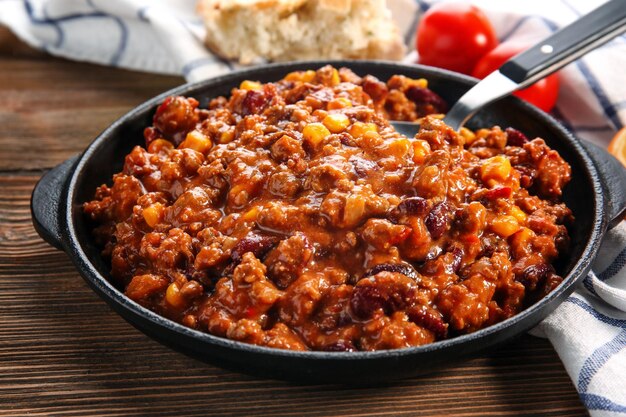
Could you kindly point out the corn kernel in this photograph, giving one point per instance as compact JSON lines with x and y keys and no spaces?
{"x":335,"y":80}
{"x":197,"y":141}
{"x":251,"y":215}
{"x":294,"y":76}
{"x":505,"y":226}
{"x":339,"y":103}
{"x":358,"y":129}
{"x":518,"y":213}
{"x":354,"y":210}
{"x":309,"y":76}
{"x":371,"y":139}
{"x":468,"y":135}
{"x":315,"y":133}
{"x":416,"y":82}
{"x":421,"y":149}
{"x":158,"y":145}
{"x":495,"y":170}
{"x":237,"y":188}
{"x":336,"y":122}
{"x":250,"y":85}
{"x":226,"y":136}
{"x":153,"y":214}
{"x":319,"y":114}
{"x":521,"y":242}
{"x":174,"y":297}
{"x":522,"y":236}
{"x":302,"y":76}
{"x":397,"y":147}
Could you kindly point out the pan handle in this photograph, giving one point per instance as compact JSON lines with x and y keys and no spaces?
{"x":613,"y":178}
{"x":45,"y":202}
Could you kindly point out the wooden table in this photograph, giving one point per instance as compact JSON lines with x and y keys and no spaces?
{"x":64,"y":352}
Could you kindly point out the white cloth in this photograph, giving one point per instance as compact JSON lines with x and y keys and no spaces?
{"x":589,"y":329}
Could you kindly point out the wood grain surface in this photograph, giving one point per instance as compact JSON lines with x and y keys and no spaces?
{"x":63,"y":352}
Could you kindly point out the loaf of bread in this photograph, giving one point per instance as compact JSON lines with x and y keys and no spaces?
{"x":252,"y":31}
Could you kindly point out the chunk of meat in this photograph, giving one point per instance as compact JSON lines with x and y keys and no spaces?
{"x":176,"y":117}
{"x":382,"y":234}
{"x":143,"y":286}
{"x":248,"y":295}
{"x":288,"y":260}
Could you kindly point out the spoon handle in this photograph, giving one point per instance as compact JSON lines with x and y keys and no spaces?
{"x":568,"y":44}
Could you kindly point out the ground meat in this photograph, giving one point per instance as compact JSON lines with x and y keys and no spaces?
{"x":292,"y":215}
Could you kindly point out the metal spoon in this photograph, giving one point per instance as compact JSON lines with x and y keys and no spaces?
{"x":554,"y":52}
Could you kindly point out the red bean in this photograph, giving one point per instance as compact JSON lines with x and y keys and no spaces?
{"x":404,"y":269}
{"x":429,"y":319}
{"x":363,"y":167}
{"x":411,"y":206}
{"x":437,"y":220}
{"x":366,"y":300}
{"x":535,"y":275}
{"x":457,"y":257}
{"x":254,"y":102}
{"x":389,"y":291}
{"x":253,"y":242}
{"x":424,"y":96}
{"x":514,"y":137}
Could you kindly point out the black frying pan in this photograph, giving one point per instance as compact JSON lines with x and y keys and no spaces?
{"x":596,"y":194}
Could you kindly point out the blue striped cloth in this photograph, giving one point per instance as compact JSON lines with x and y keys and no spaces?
{"x":589,"y":329}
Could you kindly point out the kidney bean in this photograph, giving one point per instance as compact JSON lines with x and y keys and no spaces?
{"x":411,"y":206}
{"x":254,"y":102}
{"x":457,"y":257}
{"x":363,"y":167}
{"x":550,"y":284}
{"x":535,"y":275}
{"x":422,"y":96}
{"x":429,"y":319}
{"x":404,"y":269}
{"x":437,"y":220}
{"x":389,"y":291}
{"x":514,"y":137}
{"x":253,"y":242}
{"x":366,"y":300}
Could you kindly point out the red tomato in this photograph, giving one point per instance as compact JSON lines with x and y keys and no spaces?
{"x":454,"y":36}
{"x":542,"y":94}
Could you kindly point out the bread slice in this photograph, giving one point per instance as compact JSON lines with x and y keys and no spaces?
{"x":252,"y":31}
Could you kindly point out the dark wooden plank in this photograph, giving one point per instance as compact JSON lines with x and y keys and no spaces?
{"x":63,"y":352}
{"x":51,"y":108}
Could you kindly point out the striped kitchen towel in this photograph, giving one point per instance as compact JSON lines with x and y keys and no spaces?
{"x":589,"y":329}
